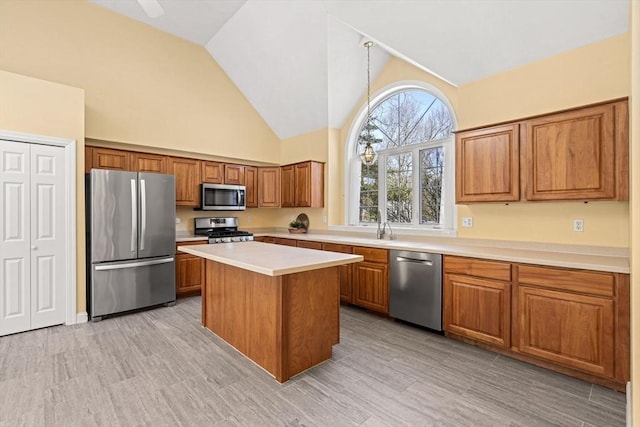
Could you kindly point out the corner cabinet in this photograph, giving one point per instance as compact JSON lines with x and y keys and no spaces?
{"x":477,"y":299}
{"x":371,"y":279}
{"x":488,"y":164}
{"x":578,"y":154}
{"x":187,"y":173}
{"x":303,"y":185}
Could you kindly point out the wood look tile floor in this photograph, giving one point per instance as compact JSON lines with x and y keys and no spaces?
{"x":161,"y":368}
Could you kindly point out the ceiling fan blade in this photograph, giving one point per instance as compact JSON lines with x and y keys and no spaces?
{"x":152,"y":8}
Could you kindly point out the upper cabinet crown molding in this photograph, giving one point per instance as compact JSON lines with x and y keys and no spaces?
{"x":579,"y":154}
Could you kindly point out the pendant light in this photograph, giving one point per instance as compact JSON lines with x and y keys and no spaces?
{"x":368,"y":154}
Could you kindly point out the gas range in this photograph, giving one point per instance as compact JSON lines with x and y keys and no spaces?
{"x":221,"y":230}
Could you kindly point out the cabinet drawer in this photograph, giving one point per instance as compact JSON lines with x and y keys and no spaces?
{"x":479,"y":268}
{"x":587,"y":282}
{"x":372,"y":254}
{"x":309,"y":245}
{"x":286,"y":242}
{"x":333,"y":247}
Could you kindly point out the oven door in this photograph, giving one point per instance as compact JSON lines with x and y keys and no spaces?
{"x":218,"y":197}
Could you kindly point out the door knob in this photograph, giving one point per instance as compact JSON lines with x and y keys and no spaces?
{"x":34,"y":247}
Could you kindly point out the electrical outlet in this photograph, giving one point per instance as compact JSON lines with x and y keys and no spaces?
{"x":177,"y":220}
{"x":467,"y":221}
{"x":578,"y":224}
{"x":324,"y":219}
{"x":248,"y":219}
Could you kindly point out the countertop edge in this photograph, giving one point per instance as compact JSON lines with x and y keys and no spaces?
{"x":345,"y":259}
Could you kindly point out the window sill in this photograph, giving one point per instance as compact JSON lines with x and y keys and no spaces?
{"x":397,"y":230}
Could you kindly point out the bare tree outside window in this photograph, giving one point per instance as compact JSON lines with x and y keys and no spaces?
{"x":404,"y":119}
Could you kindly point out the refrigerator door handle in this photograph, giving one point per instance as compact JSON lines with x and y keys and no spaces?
{"x":143,"y":213}
{"x":133,"y":264}
{"x":134,"y":219}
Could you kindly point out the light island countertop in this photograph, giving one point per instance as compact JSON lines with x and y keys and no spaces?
{"x":268,"y":259}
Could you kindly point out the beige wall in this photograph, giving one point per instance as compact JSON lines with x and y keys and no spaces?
{"x":142,"y":86}
{"x":44,"y":108}
{"x":582,"y":76}
{"x":635,"y":210}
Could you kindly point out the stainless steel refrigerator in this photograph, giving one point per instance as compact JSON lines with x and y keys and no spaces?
{"x":130,"y":241}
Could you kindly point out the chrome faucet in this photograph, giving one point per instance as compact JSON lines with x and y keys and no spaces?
{"x":381,"y":232}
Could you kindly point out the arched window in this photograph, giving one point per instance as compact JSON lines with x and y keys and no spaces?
{"x":411,"y":183}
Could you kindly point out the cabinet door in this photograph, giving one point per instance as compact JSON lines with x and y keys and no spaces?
{"x":146,"y":162}
{"x":234,"y":174}
{"x":213,"y":172}
{"x":345,"y":271}
{"x":285,"y":241}
{"x":288,"y":186}
{"x":251,"y":182}
{"x":570,"y":155}
{"x":105,"y":158}
{"x":269,"y":187}
{"x":189,"y":274}
{"x":187,"y":173}
{"x":309,"y":245}
{"x":309,"y":184}
{"x":371,"y":286}
{"x":479,"y":309}
{"x":567,"y":328}
{"x":488,"y":165}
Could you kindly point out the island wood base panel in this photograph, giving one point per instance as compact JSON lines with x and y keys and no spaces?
{"x":286,"y":324}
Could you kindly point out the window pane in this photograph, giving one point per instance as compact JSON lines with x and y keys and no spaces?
{"x":399,"y":173}
{"x":431,"y":170}
{"x":369,"y":193}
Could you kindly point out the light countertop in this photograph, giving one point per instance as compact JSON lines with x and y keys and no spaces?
{"x":615,"y":260}
{"x":268,"y":259}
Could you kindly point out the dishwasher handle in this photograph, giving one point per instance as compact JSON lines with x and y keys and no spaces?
{"x":415,"y":261}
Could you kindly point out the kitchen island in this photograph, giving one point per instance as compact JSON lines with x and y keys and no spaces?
{"x":277,"y":305}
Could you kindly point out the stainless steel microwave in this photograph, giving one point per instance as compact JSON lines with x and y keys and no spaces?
{"x":222,"y":197}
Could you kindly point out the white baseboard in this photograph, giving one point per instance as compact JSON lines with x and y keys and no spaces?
{"x":629,"y":405}
{"x":82,"y":317}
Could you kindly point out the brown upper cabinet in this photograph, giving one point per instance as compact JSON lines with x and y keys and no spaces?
{"x":106,"y":158}
{"x":251,"y":183}
{"x":187,"y":173}
{"x":212,"y":172}
{"x":488,"y":164}
{"x":579,"y":154}
{"x":234,"y":174}
{"x":269,"y":187}
{"x":147,"y":162}
{"x":303,"y":185}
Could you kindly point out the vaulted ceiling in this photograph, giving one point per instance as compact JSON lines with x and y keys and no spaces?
{"x":302,"y":65}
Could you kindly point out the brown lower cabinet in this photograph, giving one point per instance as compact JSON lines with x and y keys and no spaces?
{"x":371,"y":279}
{"x":190,"y":270}
{"x":573,"y":321}
{"x":345,"y":271}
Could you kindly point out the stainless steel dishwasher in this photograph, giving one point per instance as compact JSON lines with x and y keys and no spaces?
{"x":415,"y":288}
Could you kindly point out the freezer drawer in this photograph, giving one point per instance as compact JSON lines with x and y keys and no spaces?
{"x":121,"y":286}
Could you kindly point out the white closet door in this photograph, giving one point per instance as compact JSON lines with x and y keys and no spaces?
{"x":33,"y":238}
{"x":15,"y":252}
{"x":47,"y":236}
